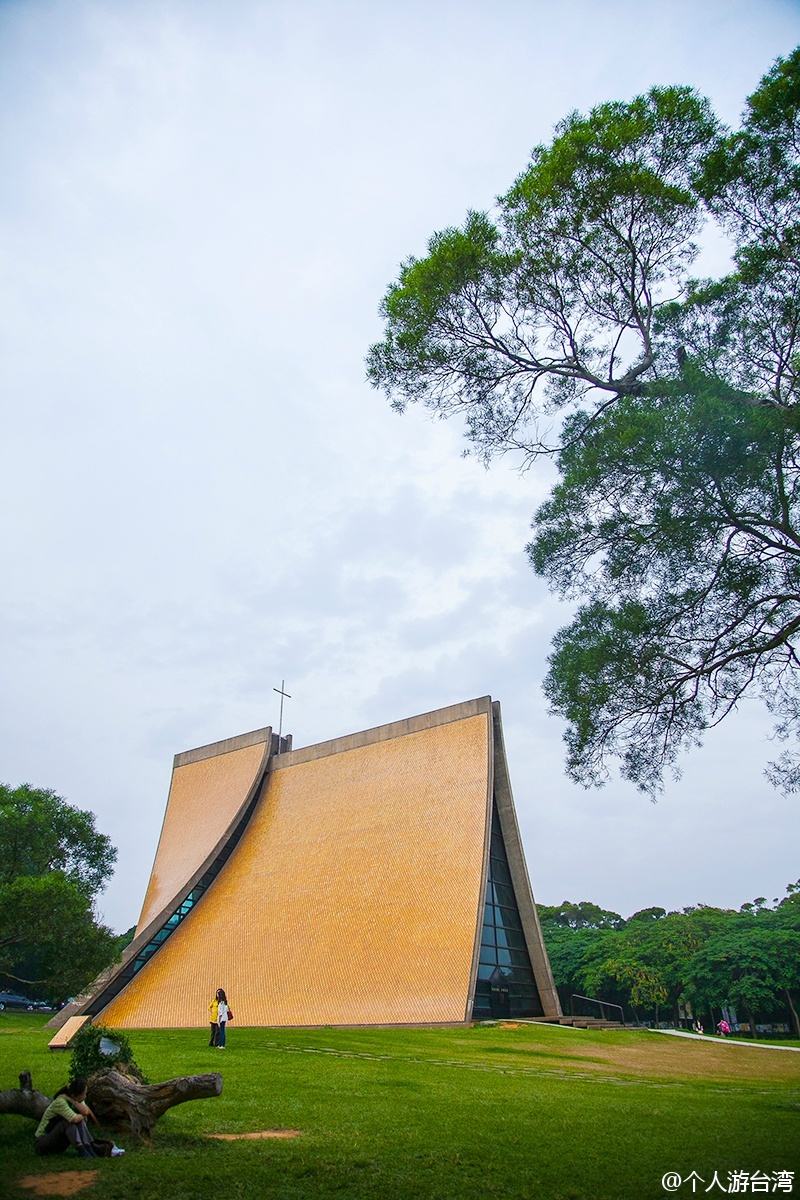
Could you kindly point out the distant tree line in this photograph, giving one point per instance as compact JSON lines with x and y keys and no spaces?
{"x":656,"y":962}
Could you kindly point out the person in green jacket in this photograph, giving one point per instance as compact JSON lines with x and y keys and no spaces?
{"x":64,"y":1122}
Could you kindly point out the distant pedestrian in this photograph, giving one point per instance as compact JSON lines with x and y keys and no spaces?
{"x":213,"y":1016}
{"x":697,"y":1026}
{"x":224,"y":1015}
{"x":723,"y":1028}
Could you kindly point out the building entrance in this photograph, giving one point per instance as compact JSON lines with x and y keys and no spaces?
{"x":500,"y":996}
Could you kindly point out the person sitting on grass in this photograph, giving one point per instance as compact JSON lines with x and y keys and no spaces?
{"x":64,"y":1124}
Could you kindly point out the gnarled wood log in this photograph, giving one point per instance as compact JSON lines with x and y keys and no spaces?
{"x":118,"y":1100}
{"x":123,"y":1103}
{"x":24,"y":1100}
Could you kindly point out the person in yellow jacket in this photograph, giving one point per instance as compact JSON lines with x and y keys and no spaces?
{"x":213,"y":1014}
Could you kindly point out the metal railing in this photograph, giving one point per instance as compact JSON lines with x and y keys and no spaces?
{"x":603,"y":1005}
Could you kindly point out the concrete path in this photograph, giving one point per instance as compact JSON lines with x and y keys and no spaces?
{"x":718,"y":1041}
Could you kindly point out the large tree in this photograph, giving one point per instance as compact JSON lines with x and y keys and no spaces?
{"x":566,"y":323}
{"x":53,"y":863}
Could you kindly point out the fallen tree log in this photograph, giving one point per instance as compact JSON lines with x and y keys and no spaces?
{"x":123,"y":1103}
{"x":24,"y":1100}
{"x":118,"y":1100}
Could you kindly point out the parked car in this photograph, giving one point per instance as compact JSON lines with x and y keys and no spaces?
{"x":12,"y":1000}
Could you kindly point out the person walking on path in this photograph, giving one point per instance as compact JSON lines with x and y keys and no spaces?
{"x":224,"y":1014}
{"x":213,"y":1016}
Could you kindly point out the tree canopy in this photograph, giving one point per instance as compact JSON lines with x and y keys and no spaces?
{"x":707,"y":957}
{"x":567,"y":323}
{"x":53,"y":863}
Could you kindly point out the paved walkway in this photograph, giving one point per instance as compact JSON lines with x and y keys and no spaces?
{"x":704,"y":1037}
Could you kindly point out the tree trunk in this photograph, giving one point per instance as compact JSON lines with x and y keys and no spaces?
{"x":122,"y":1102}
{"x":752,"y":1021}
{"x":795,"y":1021}
{"x":118,"y":1100}
{"x":24,"y":1100}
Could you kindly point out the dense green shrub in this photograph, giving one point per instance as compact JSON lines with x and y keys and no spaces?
{"x":88,"y":1057}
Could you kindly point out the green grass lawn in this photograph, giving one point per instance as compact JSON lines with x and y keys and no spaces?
{"x":524,"y":1112}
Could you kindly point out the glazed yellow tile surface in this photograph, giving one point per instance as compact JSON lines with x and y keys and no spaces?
{"x":203,"y":798}
{"x":352,"y":897}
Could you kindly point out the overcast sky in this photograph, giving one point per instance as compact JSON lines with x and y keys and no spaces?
{"x":202,"y":205}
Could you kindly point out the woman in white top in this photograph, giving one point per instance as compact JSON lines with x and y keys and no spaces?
{"x":222,"y":1017}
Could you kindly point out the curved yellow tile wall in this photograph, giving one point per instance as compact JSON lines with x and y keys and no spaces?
{"x":203,"y":799}
{"x":351,"y":899}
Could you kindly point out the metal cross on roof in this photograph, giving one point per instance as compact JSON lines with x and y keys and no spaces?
{"x":282,"y":694}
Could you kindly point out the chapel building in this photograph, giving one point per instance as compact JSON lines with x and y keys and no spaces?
{"x":376,"y":879}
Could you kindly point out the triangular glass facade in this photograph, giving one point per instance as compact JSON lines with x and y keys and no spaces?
{"x":505,"y":986}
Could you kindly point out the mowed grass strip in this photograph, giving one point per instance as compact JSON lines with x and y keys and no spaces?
{"x":439,"y":1113}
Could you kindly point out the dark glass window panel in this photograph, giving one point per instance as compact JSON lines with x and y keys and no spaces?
{"x":524,"y":1008}
{"x":509,"y":913}
{"x":504,"y":895}
{"x":498,"y":916}
{"x":487,"y":935}
{"x":484,"y":971}
{"x":504,"y":956}
{"x":488,"y":913}
{"x":520,"y":959}
{"x":488,"y":954}
{"x":497,"y":849}
{"x":508,"y":917}
{"x":511,"y":935}
{"x":500,"y":872}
